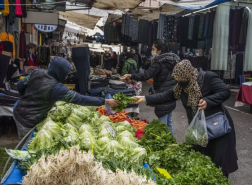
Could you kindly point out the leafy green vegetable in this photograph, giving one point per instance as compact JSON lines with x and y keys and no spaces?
{"x":60,"y":112}
{"x":112,"y":149}
{"x":49,"y":133}
{"x":103,"y":141}
{"x":157,"y":136}
{"x":124,"y":100}
{"x":186,"y":166}
{"x":128,"y":143}
{"x":193,"y":136}
{"x":86,"y":127}
{"x":69,"y":133}
{"x":138,"y":155}
{"x":125,"y":125}
{"x":126,"y":133}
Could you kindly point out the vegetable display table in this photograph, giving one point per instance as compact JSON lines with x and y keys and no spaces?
{"x":244,"y":95}
{"x":14,"y":174}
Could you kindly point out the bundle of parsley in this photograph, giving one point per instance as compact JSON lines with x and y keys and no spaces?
{"x":186,"y":166}
{"x":157,"y":136}
{"x":124,"y":100}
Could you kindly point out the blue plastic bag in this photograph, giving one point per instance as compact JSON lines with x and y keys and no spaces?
{"x":148,"y":167}
{"x":109,"y":110}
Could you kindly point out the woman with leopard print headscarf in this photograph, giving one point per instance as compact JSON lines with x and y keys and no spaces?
{"x":204,"y":90}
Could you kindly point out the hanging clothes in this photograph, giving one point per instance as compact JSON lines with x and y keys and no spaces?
{"x":231,"y":66}
{"x":18,"y":8}
{"x":168,"y":28}
{"x":220,"y":38}
{"x":207,"y":19}
{"x":244,"y":26}
{"x":239,"y":65}
{"x":248,"y":48}
{"x":235,"y":26}
{"x":12,"y":13}
{"x":201,"y":26}
{"x":6,"y":10}
{"x":160,"y":32}
{"x":24,"y":12}
{"x":22,"y":46}
{"x":5,"y":60}
{"x":2,"y":5}
{"x":134,"y":29}
{"x":8,"y":37}
{"x":183,"y":31}
{"x":191,"y":28}
{"x":211,"y":24}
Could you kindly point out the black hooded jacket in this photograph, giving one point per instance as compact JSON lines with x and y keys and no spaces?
{"x":162,"y":66}
{"x":41,"y":89}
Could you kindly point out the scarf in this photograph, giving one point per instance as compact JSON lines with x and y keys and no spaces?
{"x":184,"y":71}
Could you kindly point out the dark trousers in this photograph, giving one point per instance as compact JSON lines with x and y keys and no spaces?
{"x":4,"y":64}
{"x":80,"y":57}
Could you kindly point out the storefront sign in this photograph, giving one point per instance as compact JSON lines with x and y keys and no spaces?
{"x":46,"y":28}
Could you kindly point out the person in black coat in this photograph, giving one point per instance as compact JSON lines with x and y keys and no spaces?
{"x":160,"y":71}
{"x":206,"y":91}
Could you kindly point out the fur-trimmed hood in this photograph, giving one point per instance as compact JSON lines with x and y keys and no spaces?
{"x":166,"y":57}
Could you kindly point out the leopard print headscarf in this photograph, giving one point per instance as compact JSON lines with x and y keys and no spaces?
{"x":184,"y":71}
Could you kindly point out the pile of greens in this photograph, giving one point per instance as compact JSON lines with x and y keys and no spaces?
{"x":124,"y":100}
{"x":157,"y":136}
{"x":186,"y":166}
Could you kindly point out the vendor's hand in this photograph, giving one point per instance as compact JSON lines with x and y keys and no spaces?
{"x":125,"y":77}
{"x":140,"y":99}
{"x":202,"y":104}
{"x":112,"y":102}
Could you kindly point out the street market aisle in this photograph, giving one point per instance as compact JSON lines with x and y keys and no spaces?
{"x":243,"y":128}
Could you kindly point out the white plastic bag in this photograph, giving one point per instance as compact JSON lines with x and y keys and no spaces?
{"x":196,"y":133}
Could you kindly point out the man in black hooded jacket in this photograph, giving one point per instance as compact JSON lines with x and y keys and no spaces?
{"x":41,"y":89}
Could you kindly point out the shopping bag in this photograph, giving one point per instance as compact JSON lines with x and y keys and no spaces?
{"x":196,"y":133}
{"x":109,"y":110}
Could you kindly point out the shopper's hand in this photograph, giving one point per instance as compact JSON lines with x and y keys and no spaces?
{"x":112,"y":102}
{"x":140,"y":99}
{"x":202,"y":104}
{"x":125,"y":77}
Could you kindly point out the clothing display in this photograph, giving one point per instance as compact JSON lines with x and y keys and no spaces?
{"x":8,"y":37}
{"x":220,"y":38}
{"x":231,"y":66}
{"x":248,"y":49}
{"x":22,"y":45}
{"x":6,"y":10}
{"x":160,"y":31}
{"x":43,"y":58}
{"x":12,"y":12}
{"x":235,"y":26}
{"x":239,"y":65}
{"x":2,"y":5}
{"x":169,"y":25}
{"x":18,"y":8}
{"x":80,"y":57}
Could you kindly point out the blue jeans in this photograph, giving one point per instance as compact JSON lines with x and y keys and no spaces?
{"x":167,"y":119}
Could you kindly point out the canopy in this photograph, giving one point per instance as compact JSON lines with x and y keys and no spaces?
{"x":153,"y":13}
{"x":116,"y":4}
{"x":87,"y":21}
{"x":193,"y":4}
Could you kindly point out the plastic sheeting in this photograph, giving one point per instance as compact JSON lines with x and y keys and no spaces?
{"x":87,"y":21}
{"x":220,"y":38}
{"x":193,"y":4}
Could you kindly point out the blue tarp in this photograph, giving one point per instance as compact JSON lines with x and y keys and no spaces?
{"x":14,"y":174}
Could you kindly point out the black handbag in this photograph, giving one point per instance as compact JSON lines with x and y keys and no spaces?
{"x":217,"y":125}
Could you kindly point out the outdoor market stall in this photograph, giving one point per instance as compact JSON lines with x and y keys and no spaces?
{"x":245,"y":95}
{"x":112,"y":143}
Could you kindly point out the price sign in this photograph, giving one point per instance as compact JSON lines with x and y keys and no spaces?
{"x":165,"y":173}
{"x":111,"y":131}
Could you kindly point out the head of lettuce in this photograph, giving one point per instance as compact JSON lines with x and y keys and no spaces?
{"x":41,"y":89}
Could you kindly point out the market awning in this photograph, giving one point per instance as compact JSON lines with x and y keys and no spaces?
{"x":87,"y":21}
{"x":153,"y":13}
{"x":116,"y":4}
{"x":193,"y":4}
{"x":113,"y":17}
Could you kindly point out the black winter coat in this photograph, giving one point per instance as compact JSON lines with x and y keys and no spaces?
{"x":162,"y":66}
{"x":222,"y":150}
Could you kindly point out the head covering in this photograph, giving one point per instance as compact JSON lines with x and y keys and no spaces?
{"x":184,"y":71}
{"x":59,"y":68}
